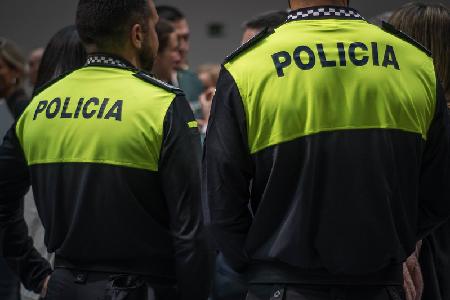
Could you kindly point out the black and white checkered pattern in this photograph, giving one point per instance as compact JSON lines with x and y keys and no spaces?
{"x":324,"y":12}
{"x":106,"y":60}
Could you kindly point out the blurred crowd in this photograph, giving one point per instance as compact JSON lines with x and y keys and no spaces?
{"x":22,"y":76}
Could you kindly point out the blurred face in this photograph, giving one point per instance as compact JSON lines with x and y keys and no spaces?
{"x":8,"y":79}
{"x":248,"y":34}
{"x":206,"y":80}
{"x":182,"y":30}
{"x":168,"y":59}
{"x":33,"y":63}
{"x":149,"y":50}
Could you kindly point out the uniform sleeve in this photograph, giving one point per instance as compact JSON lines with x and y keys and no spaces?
{"x":16,"y":245}
{"x":228,"y":170}
{"x":434,"y":189}
{"x":181,"y":180}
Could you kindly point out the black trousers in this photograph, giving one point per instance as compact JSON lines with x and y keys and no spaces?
{"x":68,"y":284}
{"x":9,"y":283}
{"x":227,"y":283}
{"x":435,"y":263}
{"x":318,"y":292}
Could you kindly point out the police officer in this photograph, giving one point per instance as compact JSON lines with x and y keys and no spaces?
{"x":113,"y":156}
{"x":327,"y":156}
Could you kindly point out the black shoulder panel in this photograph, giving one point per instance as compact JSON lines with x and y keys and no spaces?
{"x":400,"y":34}
{"x":248,"y":45}
{"x":51,"y":82}
{"x":150,"y":79}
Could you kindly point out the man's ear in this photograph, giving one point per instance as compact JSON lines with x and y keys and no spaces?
{"x":137,"y":36}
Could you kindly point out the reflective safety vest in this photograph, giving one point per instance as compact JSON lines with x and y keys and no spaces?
{"x":114,"y":160}
{"x":336,"y":75}
{"x":336,"y":131}
{"x":114,"y":125}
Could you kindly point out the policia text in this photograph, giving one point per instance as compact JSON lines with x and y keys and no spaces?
{"x":358,"y":54}
{"x":86,"y":109}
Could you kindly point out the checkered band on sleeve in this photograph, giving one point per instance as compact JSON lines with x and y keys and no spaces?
{"x":325,"y":12}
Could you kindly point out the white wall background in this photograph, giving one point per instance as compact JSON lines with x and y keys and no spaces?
{"x":32,"y":22}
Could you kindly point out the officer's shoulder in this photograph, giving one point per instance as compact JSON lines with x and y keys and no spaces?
{"x":400,"y":34}
{"x":250,"y":44}
{"x":51,"y":82}
{"x":158,"y":83}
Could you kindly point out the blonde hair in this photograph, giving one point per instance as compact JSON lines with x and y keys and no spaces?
{"x":212,"y":70}
{"x":429,"y":24}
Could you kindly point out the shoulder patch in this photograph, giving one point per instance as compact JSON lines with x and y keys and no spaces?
{"x":400,"y":34}
{"x":251,"y":43}
{"x":159,"y":83}
{"x":52,"y":82}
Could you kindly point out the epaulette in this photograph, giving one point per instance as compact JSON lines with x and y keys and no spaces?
{"x":400,"y":34}
{"x":159,"y":83}
{"x":251,"y":43}
{"x":51,"y":82}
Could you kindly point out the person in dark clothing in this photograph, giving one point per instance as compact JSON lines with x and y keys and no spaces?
{"x":429,"y":24}
{"x":63,"y":53}
{"x":113,"y":156}
{"x":184,"y":78}
{"x":12,"y":74}
{"x":327,"y":156}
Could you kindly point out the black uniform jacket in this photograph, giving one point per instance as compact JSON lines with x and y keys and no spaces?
{"x":116,"y":179}
{"x":348,"y":200}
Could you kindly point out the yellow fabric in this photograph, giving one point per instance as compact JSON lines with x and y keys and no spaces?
{"x":131,"y":135}
{"x":301,"y":102}
{"x":193,"y":124}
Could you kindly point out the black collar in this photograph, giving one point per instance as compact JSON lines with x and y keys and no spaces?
{"x":108,"y":60}
{"x":324,"y":12}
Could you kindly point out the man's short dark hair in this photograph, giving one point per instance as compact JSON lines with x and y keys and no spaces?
{"x":271,"y":19}
{"x":170,"y":13}
{"x":163,"y":29}
{"x":105,"y":23}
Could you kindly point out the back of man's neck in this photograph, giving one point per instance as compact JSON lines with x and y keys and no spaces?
{"x":299,"y":4}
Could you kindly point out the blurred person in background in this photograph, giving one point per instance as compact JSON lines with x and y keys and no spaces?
{"x":429,"y":24}
{"x":64,"y":53}
{"x":13,"y":68}
{"x":179,"y":22}
{"x":168,"y":55}
{"x":34,"y":60}
{"x":268,"y":20}
{"x":183,"y":78}
{"x":13,"y":100}
{"x":208,"y":75}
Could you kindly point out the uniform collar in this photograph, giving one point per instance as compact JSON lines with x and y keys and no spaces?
{"x":325,"y":12}
{"x":108,"y":60}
